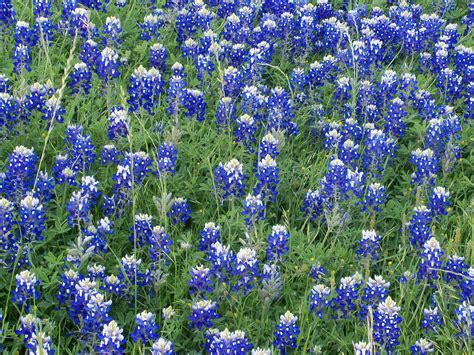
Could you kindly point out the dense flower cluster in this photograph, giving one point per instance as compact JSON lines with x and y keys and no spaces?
{"x":330,"y":143}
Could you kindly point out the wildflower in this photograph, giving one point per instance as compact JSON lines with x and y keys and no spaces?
{"x":166,"y":159}
{"x":319,"y":299}
{"x":229,"y":179}
{"x":25,"y":290}
{"x":162,"y":347}
{"x":431,"y":320}
{"x":422,"y":347}
{"x":386,"y":324}
{"x":430,"y":262}
{"x":145,"y":328}
{"x":226,"y":342}
{"x":419,"y":226}
{"x":267,"y":179}
{"x":111,"y":338}
{"x":286,"y":332}
{"x":368,"y":245}
{"x":179,"y":211}
{"x":246,"y":267}
{"x":203,"y":312}
{"x":277,"y":243}
{"x":200,"y":281}
{"x":107,"y":65}
{"x":209,"y":235}
{"x":253,"y":210}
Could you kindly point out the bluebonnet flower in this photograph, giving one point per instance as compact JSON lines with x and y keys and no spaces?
{"x":67,"y":7}
{"x":145,"y":329}
{"x":464,"y":321}
{"x":22,"y":33}
{"x":43,"y":30}
{"x":24,"y":292}
{"x":348,"y":152}
{"x":190,"y":48}
{"x":158,"y":56}
{"x":176,"y":92}
{"x":112,"y":284}
{"x":332,"y":137}
{"x":450,"y":84}
{"x":222,"y":259}
{"x":144,"y":88}
{"x":454,"y":269}
{"x":363,"y":348}
{"x":277,"y":243}
{"x":387,"y":88}
{"x":368,"y":245}
{"x":141,"y":230}
{"x":374,"y":198}
{"x":343,"y":90}
{"x":21,"y":168}
{"x":226,"y":342}
{"x":466,"y":285}
{"x":111,"y":338}
{"x":281,"y":112}
{"x":141,"y":165}
{"x":112,"y":32}
{"x":80,"y":24}
{"x":122,"y":178}
{"x":246,"y":127}
{"x":431,"y":320}
{"x":21,"y":58}
{"x":338,"y":182}
{"x":110,"y":154}
{"x":78,"y":208}
{"x":312,"y":205}
{"x":96,"y":272}
{"x":286,"y":332}
{"x":267,"y":179}
{"x":200,"y":281}
{"x":159,"y":245}
{"x":8,"y":109}
{"x":151,"y":26}
{"x":269,"y":146}
{"x":32,"y":217}
{"x":430,"y":263}
{"x":162,"y":347}
{"x":225,"y":112}
{"x":28,"y":326}
{"x":41,"y":8}
{"x":166,"y":159}
{"x":232,"y":82}
{"x":179,"y":211}
{"x":80,"y":78}
{"x":7,"y":13}
{"x":253,"y":210}
{"x":246,"y":268}
{"x":96,"y":312}
{"x":80,"y":148}
{"x":386,"y":324}
{"x":202,"y":314}
{"x":347,"y":295}
{"x":270,"y":283}
{"x":6,"y":224}
{"x":193,"y":101}
{"x":439,"y":201}
{"x":319,"y":299}
{"x":317,"y":272}
{"x":210,"y":234}
{"x":130,"y":271}
{"x":422,"y":347}
{"x":107,"y":65}
{"x":53,"y":111}
{"x":426,"y":167}
{"x":419,"y":226}
{"x":36,"y":99}
{"x":394,"y":123}
{"x":375,"y":291}
{"x":118,"y":123}
{"x":40,"y":343}
{"x":229,"y":179}
{"x":90,"y":53}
